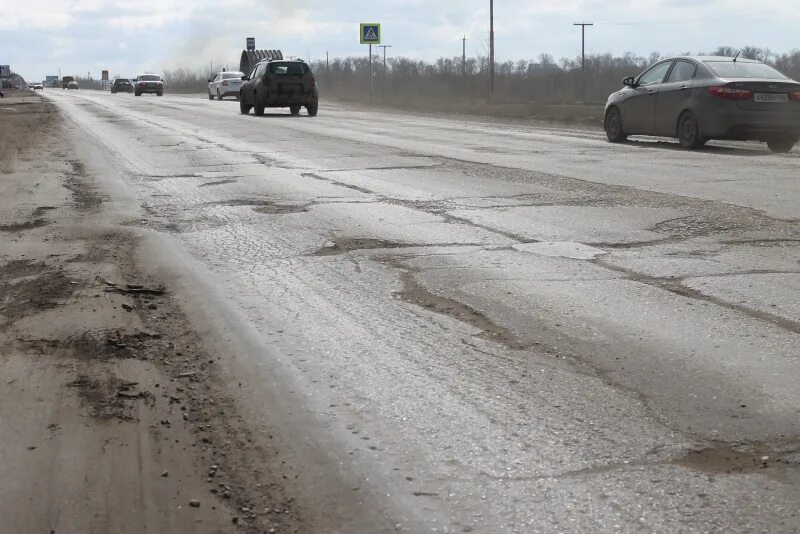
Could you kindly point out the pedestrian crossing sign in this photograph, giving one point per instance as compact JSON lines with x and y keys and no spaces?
{"x":370,"y":33}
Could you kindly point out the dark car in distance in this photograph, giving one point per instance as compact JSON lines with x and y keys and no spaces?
{"x":148,"y":83}
{"x":697,"y":99}
{"x":279,"y":84}
{"x":121,"y":85}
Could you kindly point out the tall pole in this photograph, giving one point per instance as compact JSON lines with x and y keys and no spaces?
{"x":583,"y":55}
{"x":491,"y":47}
{"x":383,"y":76}
{"x":464,"y":55}
{"x":327,"y":60}
{"x":370,"y":73}
{"x":583,"y":42}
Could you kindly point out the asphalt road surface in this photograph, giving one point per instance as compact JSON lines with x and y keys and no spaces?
{"x":464,"y":325}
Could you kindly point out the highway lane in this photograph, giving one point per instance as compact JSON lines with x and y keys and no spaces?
{"x":488,"y":327}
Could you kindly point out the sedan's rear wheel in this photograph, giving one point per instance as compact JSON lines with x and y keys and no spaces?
{"x":689,"y":132}
{"x":219,"y":95}
{"x":613,"y":126}
{"x":782,"y":144}
{"x":210,"y":96}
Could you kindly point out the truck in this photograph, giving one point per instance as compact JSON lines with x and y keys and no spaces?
{"x":65,"y":81}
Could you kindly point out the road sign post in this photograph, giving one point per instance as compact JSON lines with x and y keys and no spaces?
{"x":370,"y":34}
{"x":251,"y":43}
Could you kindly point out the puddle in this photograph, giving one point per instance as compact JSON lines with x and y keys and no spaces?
{"x":347,"y":244}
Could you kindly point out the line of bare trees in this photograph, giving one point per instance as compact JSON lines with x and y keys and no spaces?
{"x":543,"y":80}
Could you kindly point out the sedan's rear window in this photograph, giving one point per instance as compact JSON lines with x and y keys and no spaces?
{"x":232,"y":75}
{"x":288,"y":69}
{"x":738,"y":69}
{"x":150,"y":78}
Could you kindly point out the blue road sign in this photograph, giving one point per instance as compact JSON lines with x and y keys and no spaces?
{"x":371,"y":33}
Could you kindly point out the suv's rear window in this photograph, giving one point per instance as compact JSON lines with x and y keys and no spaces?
{"x":232,"y":75}
{"x":288,"y":69}
{"x":738,"y":69}
{"x":121,"y":80}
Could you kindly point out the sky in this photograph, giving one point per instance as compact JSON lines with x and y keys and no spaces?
{"x":82,"y":37}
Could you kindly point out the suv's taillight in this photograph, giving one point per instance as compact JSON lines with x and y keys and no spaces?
{"x":795,"y":95}
{"x":731,"y":93}
{"x":313,"y":81}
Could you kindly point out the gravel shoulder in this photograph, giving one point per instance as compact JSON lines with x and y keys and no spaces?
{"x":114,"y":417}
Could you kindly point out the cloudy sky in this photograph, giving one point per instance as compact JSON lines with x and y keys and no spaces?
{"x":80,"y":36}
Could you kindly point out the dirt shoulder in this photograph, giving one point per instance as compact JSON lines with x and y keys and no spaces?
{"x":114,"y":418}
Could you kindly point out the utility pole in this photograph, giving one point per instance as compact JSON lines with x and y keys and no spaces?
{"x":583,"y":42}
{"x":327,"y":60}
{"x":491,"y":47}
{"x":383,"y":78}
{"x":464,"y":55}
{"x":583,"y":56}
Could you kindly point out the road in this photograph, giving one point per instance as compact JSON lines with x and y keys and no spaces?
{"x":458,"y":325}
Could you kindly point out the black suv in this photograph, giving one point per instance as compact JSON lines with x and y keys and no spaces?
{"x":279,"y":84}
{"x":121,"y":85}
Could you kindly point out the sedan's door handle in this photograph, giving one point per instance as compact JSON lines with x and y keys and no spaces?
{"x":651,"y":93}
{"x":684,"y":88}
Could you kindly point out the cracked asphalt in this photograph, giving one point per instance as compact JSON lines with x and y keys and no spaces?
{"x":465,"y":326}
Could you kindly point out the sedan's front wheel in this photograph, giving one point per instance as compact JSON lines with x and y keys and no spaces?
{"x":782,"y":144}
{"x":613,"y":126}
{"x":689,"y":132}
{"x":243,"y":108}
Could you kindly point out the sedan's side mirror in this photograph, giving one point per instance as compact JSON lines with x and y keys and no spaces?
{"x":209,"y":80}
{"x":245,"y":78}
{"x":630,"y":81}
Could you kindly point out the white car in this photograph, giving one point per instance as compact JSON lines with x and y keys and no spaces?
{"x":38,"y":86}
{"x":224,"y":84}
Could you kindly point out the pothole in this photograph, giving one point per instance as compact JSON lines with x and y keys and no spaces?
{"x":218,"y":182}
{"x":35,"y":289}
{"x":280,"y":209}
{"x":22,"y":226}
{"x":414,"y":293}
{"x":725,"y":459}
{"x":343,"y":245}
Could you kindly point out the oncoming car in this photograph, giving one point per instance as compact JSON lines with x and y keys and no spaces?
{"x":38,"y":86}
{"x":279,"y":84}
{"x":72,"y":85}
{"x":224,"y":84}
{"x":148,"y":83}
{"x":697,"y":99}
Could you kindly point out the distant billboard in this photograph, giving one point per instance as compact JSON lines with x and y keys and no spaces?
{"x":105,"y":76}
{"x":51,"y":79}
{"x":251,"y":43}
{"x":5,"y":71}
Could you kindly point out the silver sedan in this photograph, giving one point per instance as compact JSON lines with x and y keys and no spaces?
{"x":697,"y":99}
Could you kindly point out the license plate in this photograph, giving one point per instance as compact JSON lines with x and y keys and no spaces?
{"x":772,"y":98}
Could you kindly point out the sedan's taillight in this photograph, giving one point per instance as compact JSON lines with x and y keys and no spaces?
{"x":731,"y":93}
{"x":225,"y":83}
{"x":795,"y":95}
